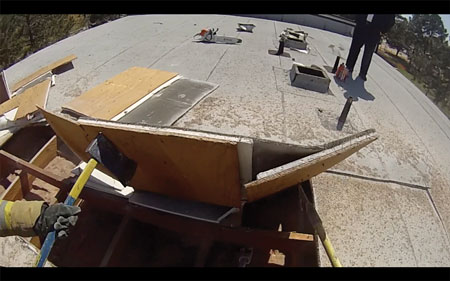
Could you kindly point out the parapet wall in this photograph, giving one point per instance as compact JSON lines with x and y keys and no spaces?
{"x":321,"y":21}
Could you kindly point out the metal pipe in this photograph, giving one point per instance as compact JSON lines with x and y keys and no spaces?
{"x":344,"y":113}
{"x":336,"y":64}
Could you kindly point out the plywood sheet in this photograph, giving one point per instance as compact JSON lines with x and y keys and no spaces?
{"x":182,"y":165}
{"x":118,"y":93}
{"x":282,"y":177}
{"x":42,"y":71}
{"x":27,"y":101}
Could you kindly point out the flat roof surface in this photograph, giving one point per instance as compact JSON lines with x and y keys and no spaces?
{"x":387,"y":205}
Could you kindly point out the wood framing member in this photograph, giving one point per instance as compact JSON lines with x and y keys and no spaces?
{"x":32,"y":169}
{"x":41,"y":159}
{"x":42,"y":71}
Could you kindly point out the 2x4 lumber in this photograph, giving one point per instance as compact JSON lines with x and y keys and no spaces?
{"x":282,"y":177}
{"x":27,"y":101}
{"x":42,"y":71}
{"x":41,"y":159}
{"x":200,"y":167}
{"x":110,"y":98}
{"x":33,"y":169}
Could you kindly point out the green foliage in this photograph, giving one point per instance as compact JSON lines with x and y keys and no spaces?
{"x":397,"y":37}
{"x":424,"y":39}
{"x":24,"y":34}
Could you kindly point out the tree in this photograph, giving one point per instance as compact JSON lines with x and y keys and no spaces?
{"x":396,"y":37}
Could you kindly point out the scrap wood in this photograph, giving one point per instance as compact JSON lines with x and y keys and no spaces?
{"x":110,"y":98}
{"x":42,"y":71}
{"x":26,"y":102}
{"x":282,"y":177}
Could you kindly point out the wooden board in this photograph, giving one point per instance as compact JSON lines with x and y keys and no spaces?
{"x":170,"y":161}
{"x":27,"y":101}
{"x":42,"y":71}
{"x":118,"y":93}
{"x":282,"y":177}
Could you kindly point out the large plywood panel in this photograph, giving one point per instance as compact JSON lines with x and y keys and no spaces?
{"x":118,"y":93}
{"x":282,"y":177}
{"x":27,"y":101}
{"x":184,"y":166}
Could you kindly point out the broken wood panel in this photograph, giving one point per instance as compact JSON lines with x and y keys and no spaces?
{"x":42,"y":71}
{"x":118,"y":93}
{"x":282,"y":177}
{"x":180,"y":165}
{"x":41,"y":159}
{"x":27,"y":101}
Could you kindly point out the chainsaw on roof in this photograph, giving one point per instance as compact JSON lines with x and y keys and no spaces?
{"x":210,"y":36}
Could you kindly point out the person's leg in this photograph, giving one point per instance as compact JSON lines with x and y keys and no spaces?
{"x":355,"y":47}
{"x":369,"y":49}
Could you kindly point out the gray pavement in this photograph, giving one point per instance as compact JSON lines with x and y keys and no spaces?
{"x":387,"y":205}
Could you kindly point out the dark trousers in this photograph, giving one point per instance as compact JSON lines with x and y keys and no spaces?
{"x":362,"y":36}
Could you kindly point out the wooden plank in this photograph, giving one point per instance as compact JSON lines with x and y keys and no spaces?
{"x":110,"y":98}
{"x":174,"y":162}
{"x":282,"y":177}
{"x":27,"y":101}
{"x":33,"y":169}
{"x":41,"y":159}
{"x":42,"y":71}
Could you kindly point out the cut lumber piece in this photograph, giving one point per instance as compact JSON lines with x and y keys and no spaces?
{"x":42,"y":71}
{"x":282,"y":177}
{"x":176,"y":162}
{"x":26,"y":102}
{"x":110,"y":98}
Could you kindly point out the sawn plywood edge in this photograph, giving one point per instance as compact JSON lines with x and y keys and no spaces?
{"x":282,"y":177}
{"x":42,"y":71}
{"x":113,"y":96}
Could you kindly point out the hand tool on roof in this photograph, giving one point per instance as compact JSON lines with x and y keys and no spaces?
{"x":210,"y":36}
{"x":102,"y":151}
{"x":316,"y":222}
{"x":246,"y":27}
